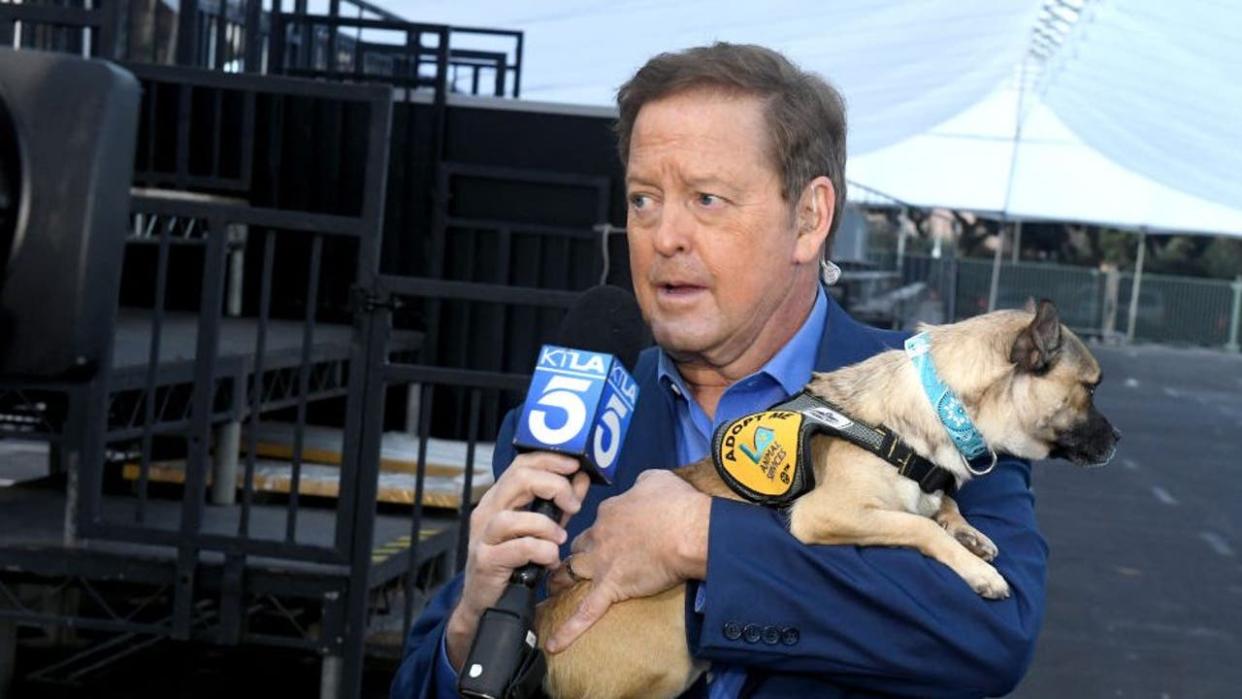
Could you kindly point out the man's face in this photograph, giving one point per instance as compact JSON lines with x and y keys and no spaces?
{"x":712,"y":243}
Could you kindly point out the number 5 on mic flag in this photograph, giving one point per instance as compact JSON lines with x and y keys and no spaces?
{"x":579,"y":404}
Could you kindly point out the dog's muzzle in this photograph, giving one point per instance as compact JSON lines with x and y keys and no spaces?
{"x":1091,"y":444}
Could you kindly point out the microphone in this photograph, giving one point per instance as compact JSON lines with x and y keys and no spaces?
{"x":581,"y":396}
{"x":580,"y":402}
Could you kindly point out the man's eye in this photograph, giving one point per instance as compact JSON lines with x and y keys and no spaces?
{"x":639,"y":201}
{"x":709,"y":200}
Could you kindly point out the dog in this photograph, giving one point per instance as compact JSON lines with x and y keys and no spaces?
{"x":1025,"y":380}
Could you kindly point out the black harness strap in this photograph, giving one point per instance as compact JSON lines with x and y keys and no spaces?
{"x":928,"y":475}
{"x":880,"y":441}
{"x":821,"y":417}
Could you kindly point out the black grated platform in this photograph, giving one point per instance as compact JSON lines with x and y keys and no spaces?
{"x":237,"y":340}
{"x":32,"y":537}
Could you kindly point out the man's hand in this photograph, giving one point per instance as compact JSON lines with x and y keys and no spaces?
{"x":644,"y":541}
{"x":504,"y":537}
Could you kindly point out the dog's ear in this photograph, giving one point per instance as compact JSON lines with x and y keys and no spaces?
{"x":1039,"y":343}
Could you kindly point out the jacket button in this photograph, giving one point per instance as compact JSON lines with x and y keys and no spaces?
{"x":789,"y":635}
{"x":732,"y":630}
{"x":771,"y":635}
{"x":752,"y":633}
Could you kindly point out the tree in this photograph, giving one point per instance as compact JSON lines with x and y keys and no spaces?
{"x":1223,"y":258}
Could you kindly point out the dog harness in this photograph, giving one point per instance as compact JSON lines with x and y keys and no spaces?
{"x":766,"y":457}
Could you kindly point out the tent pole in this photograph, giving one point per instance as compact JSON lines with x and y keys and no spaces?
{"x":996,"y":267}
{"x":1017,"y":240}
{"x":1019,"y":117}
{"x":1234,"y":314}
{"x":1134,"y":286}
{"x":901,"y":248}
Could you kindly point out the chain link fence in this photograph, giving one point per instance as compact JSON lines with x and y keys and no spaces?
{"x":1093,"y":302}
{"x":1179,"y":310}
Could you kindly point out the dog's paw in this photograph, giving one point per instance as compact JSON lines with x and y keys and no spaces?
{"x":976,"y":541}
{"x":987,"y":581}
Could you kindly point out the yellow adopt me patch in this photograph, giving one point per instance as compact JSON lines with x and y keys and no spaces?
{"x":761,"y":456}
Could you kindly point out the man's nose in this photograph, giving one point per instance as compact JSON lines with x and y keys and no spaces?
{"x":673,"y":233}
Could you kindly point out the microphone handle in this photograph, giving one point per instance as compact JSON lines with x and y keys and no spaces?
{"x":530,"y":574}
{"x":503,"y":641}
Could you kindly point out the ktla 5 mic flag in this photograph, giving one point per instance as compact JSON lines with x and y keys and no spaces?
{"x":580,"y":403}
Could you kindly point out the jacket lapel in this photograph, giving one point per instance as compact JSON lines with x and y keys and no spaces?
{"x":846,"y":341}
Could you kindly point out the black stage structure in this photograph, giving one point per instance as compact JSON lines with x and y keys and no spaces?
{"x":328,"y":226}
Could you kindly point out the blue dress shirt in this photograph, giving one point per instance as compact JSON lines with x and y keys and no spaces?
{"x":784,"y":375}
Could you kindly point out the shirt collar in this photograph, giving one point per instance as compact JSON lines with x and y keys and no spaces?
{"x":790,"y":367}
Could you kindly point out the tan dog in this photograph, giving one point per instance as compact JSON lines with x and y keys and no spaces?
{"x":1025,"y":380}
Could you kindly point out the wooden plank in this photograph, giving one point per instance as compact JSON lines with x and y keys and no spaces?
{"x":398,"y":451}
{"x":324,"y":481}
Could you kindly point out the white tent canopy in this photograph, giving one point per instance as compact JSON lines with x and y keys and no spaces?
{"x":1126,"y":112}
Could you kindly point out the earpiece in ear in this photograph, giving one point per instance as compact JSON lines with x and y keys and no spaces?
{"x":829,"y":272}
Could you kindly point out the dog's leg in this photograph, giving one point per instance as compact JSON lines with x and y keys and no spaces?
{"x":837,"y":520}
{"x":905,"y":529}
{"x":956,"y":525}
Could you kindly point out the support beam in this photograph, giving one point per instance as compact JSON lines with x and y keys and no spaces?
{"x":8,"y":655}
{"x":238,"y":233}
{"x":330,"y":677}
{"x":1112,"y":291}
{"x":1235,"y":315}
{"x":224,"y":463}
{"x":1138,"y":283}
{"x":187,"y":33}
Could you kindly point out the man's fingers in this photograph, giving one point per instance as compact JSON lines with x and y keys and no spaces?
{"x":582,"y":543}
{"x":573,"y":570}
{"x":516,"y":553}
{"x":589,"y":611}
{"x":545,"y":461}
{"x":519,"y":490}
{"x":581,"y":482}
{"x":512,"y":524}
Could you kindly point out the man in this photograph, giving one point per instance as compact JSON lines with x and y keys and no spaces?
{"x":735,"y":175}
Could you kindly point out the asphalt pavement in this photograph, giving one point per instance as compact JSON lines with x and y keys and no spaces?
{"x":1145,"y":574}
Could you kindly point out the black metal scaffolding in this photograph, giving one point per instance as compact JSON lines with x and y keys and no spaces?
{"x":309,"y":228}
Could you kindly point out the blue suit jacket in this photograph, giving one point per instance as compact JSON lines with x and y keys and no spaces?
{"x":823,"y":621}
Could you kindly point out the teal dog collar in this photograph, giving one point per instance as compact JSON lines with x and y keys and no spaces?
{"x":948,"y":406}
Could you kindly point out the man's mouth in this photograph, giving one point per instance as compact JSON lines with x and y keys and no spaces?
{"x":676,"y":290}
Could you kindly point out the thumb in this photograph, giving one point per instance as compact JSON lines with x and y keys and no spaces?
{"x":589,"y":611}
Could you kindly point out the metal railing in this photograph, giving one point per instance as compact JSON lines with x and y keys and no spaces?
{"x":352,"y":40}
{"x":182,"y":383}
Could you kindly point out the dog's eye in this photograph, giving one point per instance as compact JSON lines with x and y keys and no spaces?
{"x":1090,"y":388}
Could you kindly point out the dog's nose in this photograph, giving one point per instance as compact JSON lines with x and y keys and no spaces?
{"x":1116,"y":435}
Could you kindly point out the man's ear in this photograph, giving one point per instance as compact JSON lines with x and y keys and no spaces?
{"x":1039,"y":343}
{"x":815,"y":212}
